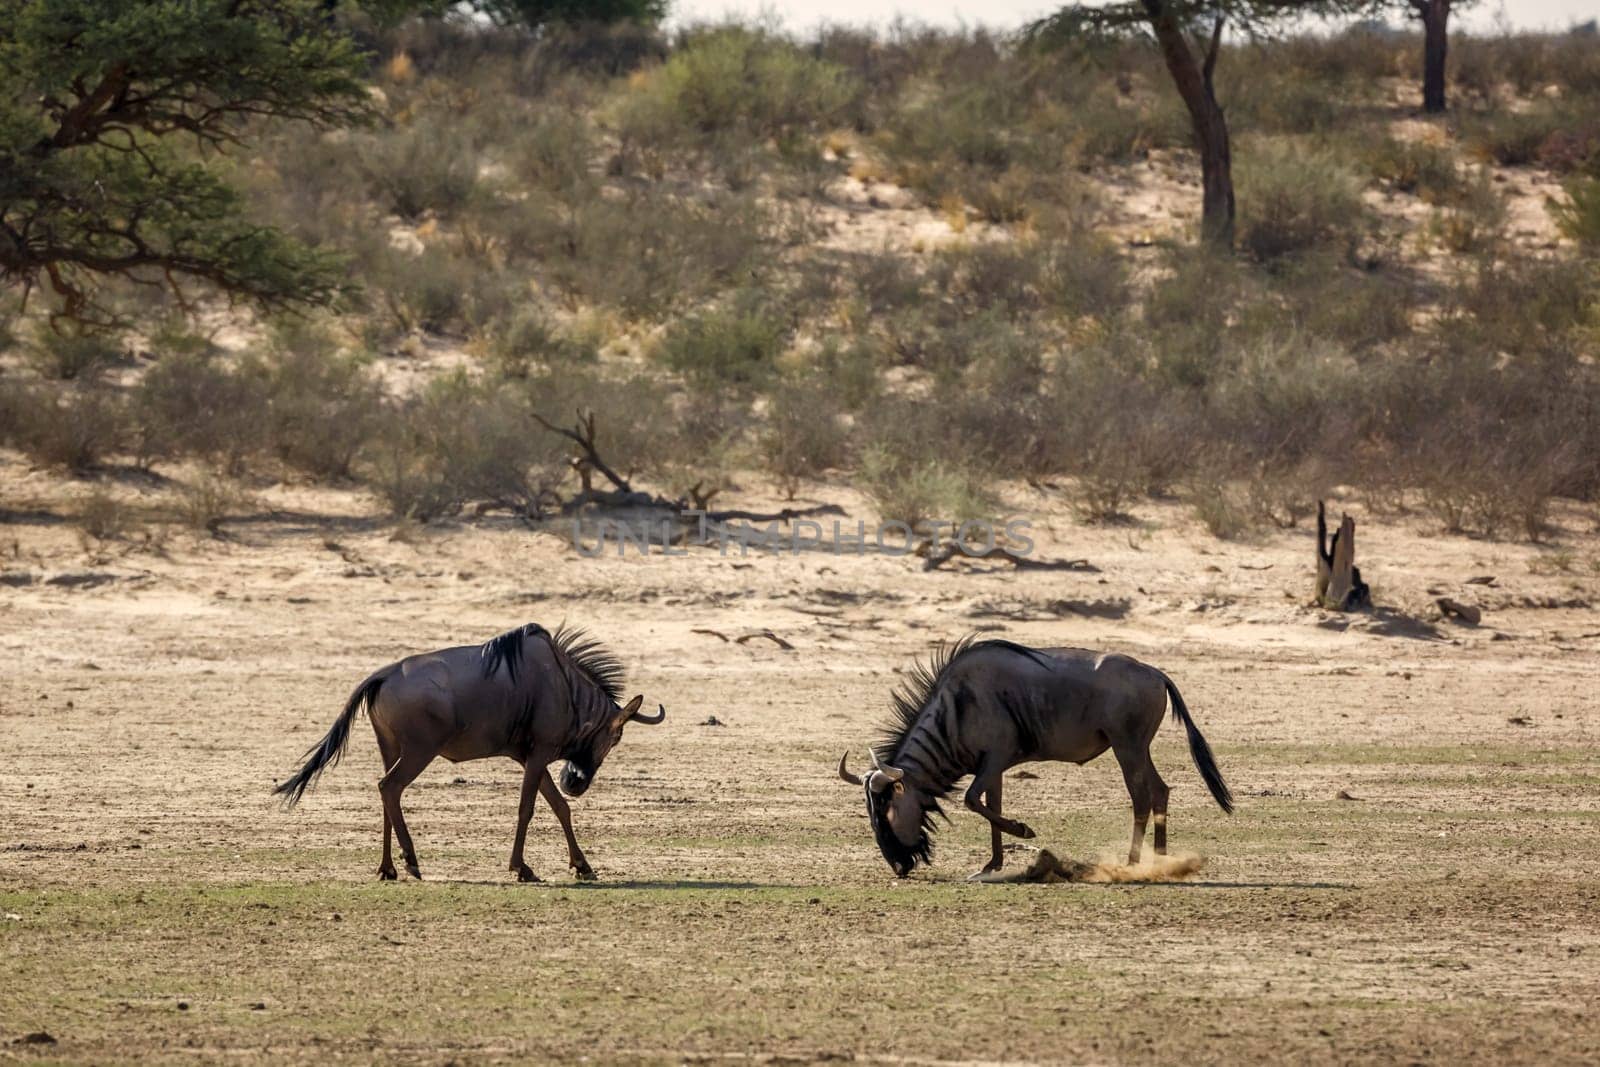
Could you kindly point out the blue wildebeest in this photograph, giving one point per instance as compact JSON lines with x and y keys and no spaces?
{"x":982,"y":707}
{"x":529,"y":694}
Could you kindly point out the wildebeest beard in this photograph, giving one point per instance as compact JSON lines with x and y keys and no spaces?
{"x":580,"y":770}
{"x":902,"y":857}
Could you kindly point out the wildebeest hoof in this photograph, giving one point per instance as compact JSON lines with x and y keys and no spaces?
{"x":414,"y":871}
{"x":524,"y":874}
{"x":584,"y":873}
{"x":1025,"y":831}
{"x":387,"y":874}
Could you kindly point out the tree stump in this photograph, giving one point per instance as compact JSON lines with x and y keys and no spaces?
{"x":1339,"y":584}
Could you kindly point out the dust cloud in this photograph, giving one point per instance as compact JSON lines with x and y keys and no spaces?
{"x":1047,"y":868}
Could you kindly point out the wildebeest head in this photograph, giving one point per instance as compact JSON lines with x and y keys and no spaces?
{"x":901,"y":814}
{"x":590,"y":750}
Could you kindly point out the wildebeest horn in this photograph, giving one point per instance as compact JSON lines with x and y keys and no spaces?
{"x":853,"y":779}
{"x":661,"y":713}
{"x":894,"y":774}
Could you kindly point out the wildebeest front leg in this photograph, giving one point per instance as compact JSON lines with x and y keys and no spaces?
{"x":996,"y":855}
{"x":531,"y":772}
{"x":985,"y":785}
{"x":558,"y":804}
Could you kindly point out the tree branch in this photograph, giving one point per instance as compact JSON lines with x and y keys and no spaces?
{"x":583,"y":435}
{"x":1211,"y":52}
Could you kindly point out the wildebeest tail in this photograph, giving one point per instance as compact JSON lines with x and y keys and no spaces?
{"x":327,"y":752}
{"x":1200,"y":752}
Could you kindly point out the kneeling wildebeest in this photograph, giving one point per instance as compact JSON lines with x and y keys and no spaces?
{"x":529,"y":694}
{"x":982,"y":707}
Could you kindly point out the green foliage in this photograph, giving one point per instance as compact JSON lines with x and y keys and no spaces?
{"x":102,"y":517}
{"x":536,"y":13}
{"x":923,"y":490}
{"x":76,"y":430}
{"x":1296,"y":197}
{"x":427,"y":166}
{"x":94,"y":184}
{"x":735,"y":345}
{"x":1578,"y":215}
{"x":1514,"y":138}
{"x":803,"y":435}
{"x":210,"y":500}
{"x":459,"y":441}
{"x":323,"y":407}
{"x":197,"y":404}
{"x":71,"y":352}
{"x":1475,"y":221}
{"x":1423,"y":168}
{"x":736,"y":79}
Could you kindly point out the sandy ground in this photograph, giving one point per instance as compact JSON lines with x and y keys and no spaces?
{"x":1410,"y":874}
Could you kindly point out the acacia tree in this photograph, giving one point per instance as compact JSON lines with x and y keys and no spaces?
{"x":1435,"y":18}
{"x":112,"y":115}
{"x":1189,"y":34}
{"x":535,"y":13}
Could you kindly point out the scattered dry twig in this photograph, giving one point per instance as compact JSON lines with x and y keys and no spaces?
{"x":769,"y":635}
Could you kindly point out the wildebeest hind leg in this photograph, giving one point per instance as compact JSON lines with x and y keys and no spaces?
{"x":402,"y":774}
{"x":531,"y":773}
{"x":1158,"y":805}
{"x":1136,"y":772}
{"x":386,"y":871}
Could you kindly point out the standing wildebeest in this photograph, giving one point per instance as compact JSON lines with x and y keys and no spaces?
{"x":530,"y":694}
{"x":982,"y":707}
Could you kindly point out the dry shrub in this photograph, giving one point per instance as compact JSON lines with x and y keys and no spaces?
{"x":850,"y":367}
{"x":460,"y":441}
{"x":730,"y":346}
{"x":1578,"y":215}
{"x":923,"y":491}
{"x":1295,"y":196}
{"x":1326,"y":297}
{"x":1269,"y":96}
{"x":198,"y":404}
{"x":426,"y":291}
{"x":1119,"y":435}
{"x":1521,"y":306}
{"x":1420,"y":167}
{"x":323,"y":405}
{"x":427,"y":166}
{"x":103,"y":517}
{"x":73,"y":429}
{"x":66,"y":352}
{"x":1223,"y":508}
{"x":803,"y":436}
{"x":212,"y":499}
{"x":760,"y":84}
{"x":1514,"y":138}
{"x":646,"y":252}
{"x":636,"y":429}
{"x":1475,"y":221}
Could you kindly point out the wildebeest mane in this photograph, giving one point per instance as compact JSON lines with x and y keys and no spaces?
{"x":507,"y":649}
{"x":592,"y":658}
{"x":922,"y":681}
{"x":586,"y":654}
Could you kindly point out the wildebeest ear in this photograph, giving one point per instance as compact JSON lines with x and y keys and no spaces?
{"x":633,"y":706}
